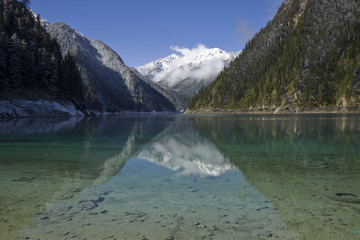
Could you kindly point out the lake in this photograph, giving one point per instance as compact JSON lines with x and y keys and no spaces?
{"x":181,"y":177}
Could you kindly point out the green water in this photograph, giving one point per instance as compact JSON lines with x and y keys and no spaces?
{"x":181,"y":177}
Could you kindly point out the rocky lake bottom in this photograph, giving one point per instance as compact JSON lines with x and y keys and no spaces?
{"x":181,"y":177}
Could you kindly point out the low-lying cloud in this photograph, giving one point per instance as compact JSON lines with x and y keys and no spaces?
{"x":199,"y":63}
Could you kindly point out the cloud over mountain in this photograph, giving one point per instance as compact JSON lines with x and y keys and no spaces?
{"x":187,"y":69}
{"x":199,"y":63}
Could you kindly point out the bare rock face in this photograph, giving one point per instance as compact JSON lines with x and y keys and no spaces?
{"x":111,"y":86}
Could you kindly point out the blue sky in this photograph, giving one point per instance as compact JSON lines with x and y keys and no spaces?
{"x":141,"y":31}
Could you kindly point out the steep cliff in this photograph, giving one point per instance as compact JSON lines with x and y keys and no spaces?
{"x":110,"y":85}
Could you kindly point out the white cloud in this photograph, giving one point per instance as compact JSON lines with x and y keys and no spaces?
{"x":187,"y":153}
{"x":199,"y":63}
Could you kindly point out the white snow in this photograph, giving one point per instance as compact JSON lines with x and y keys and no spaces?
{"x":43,"y":21}
{"x":37,"y":108}
{"x":200,"y":63}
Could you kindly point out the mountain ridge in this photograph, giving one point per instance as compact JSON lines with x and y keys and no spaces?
{"x":54,"y":70}
{"x":35,"y":78}
{"x":186,"y":71}
{"x":306,"y":57}
{"x":111,"y":85}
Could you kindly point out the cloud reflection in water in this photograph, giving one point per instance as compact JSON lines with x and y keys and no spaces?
{"x":188,"y":153}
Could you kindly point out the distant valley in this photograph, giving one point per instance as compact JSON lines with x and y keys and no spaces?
{"x":105,"y":84}
{"x":188,"y":70}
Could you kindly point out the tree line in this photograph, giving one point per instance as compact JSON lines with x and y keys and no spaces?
{"x":31,"y":63}
{"x":313,"y":62}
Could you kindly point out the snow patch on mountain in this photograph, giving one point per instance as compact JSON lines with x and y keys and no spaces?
{"x":39,"y":108}
{"x":110,"y":85}
{"x":200,"y":64}
{"x":43,"y":21}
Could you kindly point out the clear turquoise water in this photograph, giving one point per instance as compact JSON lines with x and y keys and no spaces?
{"x":181,"y":177}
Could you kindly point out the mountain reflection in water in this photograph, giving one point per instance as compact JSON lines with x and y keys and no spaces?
{"x":294,"y":161}
{"x":180,"y":148}
{"x":45,"y":160}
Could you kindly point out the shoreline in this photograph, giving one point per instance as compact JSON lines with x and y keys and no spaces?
{"x":273,"y":110}
{"x":20,"y":108}
{"x":16,"y":109}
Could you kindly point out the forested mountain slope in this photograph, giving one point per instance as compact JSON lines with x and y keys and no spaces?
{"x":307,"y":56}
{"x":56,"y":71}
{"x":31,"y":64}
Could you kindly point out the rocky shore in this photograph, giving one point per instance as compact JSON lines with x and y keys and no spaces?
{"x":38,"y":108}
{"x":275,"y":110}
{"x":19,"y":108}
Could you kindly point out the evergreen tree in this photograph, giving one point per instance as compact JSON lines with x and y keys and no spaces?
{"x":4,"y":81}
{"x":26,"y":3}
{"x":31,"y":64}
{"x":2,"y":25}
{"x":71,"y":83}
{"x":15,"y":62}
{"x":307,"y":62}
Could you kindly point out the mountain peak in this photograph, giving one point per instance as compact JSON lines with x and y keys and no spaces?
{"x":186,"y":63}
{"x":187,"y":70}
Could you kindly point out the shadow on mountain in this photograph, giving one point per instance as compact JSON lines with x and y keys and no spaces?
{"x":110,"y":85}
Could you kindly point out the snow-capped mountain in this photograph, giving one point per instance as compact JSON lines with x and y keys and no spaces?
{"x":161,"y":65}
{"x":187,"y":70}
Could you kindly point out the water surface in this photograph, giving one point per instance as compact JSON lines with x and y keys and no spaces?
{"x":181,"y":177}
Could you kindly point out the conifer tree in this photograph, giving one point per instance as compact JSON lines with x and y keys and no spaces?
{"x":31,"y":63}
{"x":308,"y":62}
{"x":4,"y":81}
{"x":15,"y":62}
